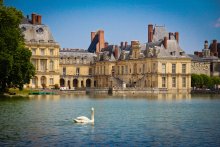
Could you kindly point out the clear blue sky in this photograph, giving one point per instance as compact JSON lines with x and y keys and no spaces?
{"x":71,"y":21}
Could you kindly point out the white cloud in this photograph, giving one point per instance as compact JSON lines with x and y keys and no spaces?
{"x":217,"y":24}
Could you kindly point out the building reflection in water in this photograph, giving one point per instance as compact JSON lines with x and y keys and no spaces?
{"x":167,"y":97}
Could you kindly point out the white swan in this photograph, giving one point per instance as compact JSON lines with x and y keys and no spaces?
{"x":83,"y":119}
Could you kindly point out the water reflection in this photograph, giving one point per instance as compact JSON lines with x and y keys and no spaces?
{"x":123,"y":120}
{"x":164,"y":97}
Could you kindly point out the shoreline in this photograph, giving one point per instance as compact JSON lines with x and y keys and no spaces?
{"x":100,"y":92}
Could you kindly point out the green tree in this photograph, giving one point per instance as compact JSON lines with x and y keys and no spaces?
{"x":215,"y":81}
{"x":207,"y":82}
{"x":197,"y":81}
{"x":15,"y":66}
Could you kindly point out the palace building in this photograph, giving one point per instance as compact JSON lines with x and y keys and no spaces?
{"x":207,"y":61}
{"x":76,"y":68}
{"x":45,"y":52}
{"x":160,"y":65}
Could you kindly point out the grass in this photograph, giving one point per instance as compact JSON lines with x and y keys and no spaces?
{"x":18,"y":92}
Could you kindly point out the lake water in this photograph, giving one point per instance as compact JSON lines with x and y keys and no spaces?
{"x":161,"y":120}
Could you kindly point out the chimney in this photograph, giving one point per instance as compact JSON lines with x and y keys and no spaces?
{"x":150,"y":33}
{"x":122,"y":44}
{"x":101,"y":39}
{"x":126,"y":44}
{"x":170,"y":34}
{"x":116,"y":52}
{"x":39,"y":19}
{"x":106,"y":44}
{"x":214,"y":46}
{"x":33,"y":19}
{"x":165,"y":42}
{"x":93,"y":35}
{"x":196,"y":53}
{"x":199,"y":54}
{"x":177,"y":36}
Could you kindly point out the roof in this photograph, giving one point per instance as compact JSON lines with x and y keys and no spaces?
{"x":173,"y":49}
{"x":76,"y":53}
{"x":36,"y":33}
{"x":159,"y":33}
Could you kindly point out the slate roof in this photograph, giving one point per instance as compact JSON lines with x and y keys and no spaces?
{"x":159,"y":33}
{"x":36,"y":33}
{"x":173,"y":49}
{"x":76,"y":53}
{"x":195,"y":58}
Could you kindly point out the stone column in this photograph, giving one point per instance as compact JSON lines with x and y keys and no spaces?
{"x":79,"y":83}
{"x":92,"y":83}
{"x":71,"y":82}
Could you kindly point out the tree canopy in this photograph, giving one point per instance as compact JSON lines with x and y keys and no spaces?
{"x":204,"y":81}
{"x":15,"y":66}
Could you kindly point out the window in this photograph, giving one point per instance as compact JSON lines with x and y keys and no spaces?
{"x":154,"y":67}
{"x":97,"y":71}
{"x":40,"y":30}
{"x":51,"y":81}
{"x":183,"y":68}
{"x":51,"y":66}
{"x":43,"y":65}
{"x":122,"y":70}
{"x":184,"y":82}
{"x":135,"y":68}
{"x":42,"y":52}
{"x":34,"y":62}
{"x":163,"y":82}
{"x":126,"y":69}
{"x":90,"y":71}
{"x":173,"y":68}
{"x":64,"y":71}
{"x":163,"y":68}
{"x":77,"y":71}
{"x":33,"y":50}
{"x":51,"y":52}
{"x":173,"y":81}
{"x":34,"y":81}
{"x":118,"y":69}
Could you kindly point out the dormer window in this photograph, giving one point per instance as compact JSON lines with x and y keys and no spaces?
{"x":23,"y":29}
{"x":173,"y":53}
{"x":40,"y":30}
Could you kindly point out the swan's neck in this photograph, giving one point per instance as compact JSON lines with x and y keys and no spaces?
{"x":92,"y":116}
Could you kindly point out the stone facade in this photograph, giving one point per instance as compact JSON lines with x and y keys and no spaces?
{"x":160,"y":65}
{"x":45,"y":52}
{"x":76,"y":68}
{"x":200,"y":66}
{"x":207,"y":61}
